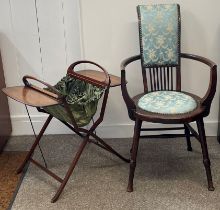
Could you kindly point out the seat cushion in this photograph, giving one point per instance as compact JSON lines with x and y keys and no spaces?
{"x":167,"y":102}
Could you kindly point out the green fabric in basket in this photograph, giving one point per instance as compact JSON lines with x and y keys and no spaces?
{"x":81,"y":96}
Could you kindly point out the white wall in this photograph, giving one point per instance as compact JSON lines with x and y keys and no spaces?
{"x":42,"y":38}
{"x":110,"y":34}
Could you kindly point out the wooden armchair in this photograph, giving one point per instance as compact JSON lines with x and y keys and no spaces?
{"x":162,"y":100}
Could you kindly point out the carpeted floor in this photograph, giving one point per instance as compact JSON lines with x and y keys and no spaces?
{"x":9,"y":180}
{"x":167,"y":176}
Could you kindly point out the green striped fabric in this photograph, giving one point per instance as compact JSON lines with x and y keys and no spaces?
{"x":81,"y":96}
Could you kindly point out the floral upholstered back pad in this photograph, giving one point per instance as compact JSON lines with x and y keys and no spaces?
{"x":159,"y":34}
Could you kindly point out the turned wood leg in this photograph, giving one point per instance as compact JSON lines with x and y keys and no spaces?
{"x":187,"y":134}
{"x":218,"y":139}
{"x":134,"y":150}
{"x":205,"y":154}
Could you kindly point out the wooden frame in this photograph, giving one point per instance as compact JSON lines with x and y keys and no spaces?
{"x":159,"y":78}
{"x":44,"y":98}
{"x":138,"y":115}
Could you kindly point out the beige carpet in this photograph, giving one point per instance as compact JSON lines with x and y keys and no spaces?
{"x":167,"y":176}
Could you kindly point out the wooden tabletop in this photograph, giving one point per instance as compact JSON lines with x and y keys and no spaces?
{"x":29,"y":96}
{"x":100,"y":76}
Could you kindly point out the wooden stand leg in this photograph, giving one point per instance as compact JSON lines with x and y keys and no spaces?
{"x":71,"y":168}
{"x":205,"y":154}
{"x":27,"y":158}
{"x":109,"y":148}
{"x":187,"y":134}
{"x":134,"y":154}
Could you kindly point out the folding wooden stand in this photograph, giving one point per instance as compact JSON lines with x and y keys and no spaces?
{"x":36,"y":97}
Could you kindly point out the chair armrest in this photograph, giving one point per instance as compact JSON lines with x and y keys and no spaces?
{"x":128,"y":101}
{"x":54,"y":94}
{"x":207,"y":99}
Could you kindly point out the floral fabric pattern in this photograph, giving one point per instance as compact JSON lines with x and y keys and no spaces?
{"x":159,"y":34}
{"x":167,"y":102}
{"x":82,"y":98}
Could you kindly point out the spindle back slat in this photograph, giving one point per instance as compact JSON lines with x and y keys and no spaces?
{"x":160,"y":78}
{"x":171,"y":78}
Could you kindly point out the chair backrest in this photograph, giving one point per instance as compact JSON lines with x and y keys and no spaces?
{"x":159,"y":32}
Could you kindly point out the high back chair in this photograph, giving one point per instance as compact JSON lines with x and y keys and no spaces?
{"x":162,"y":100}
{"x":73,"y":101}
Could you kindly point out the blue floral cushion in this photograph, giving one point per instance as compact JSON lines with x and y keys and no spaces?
{"x":167,"y":102}
{"x":159,"y":34}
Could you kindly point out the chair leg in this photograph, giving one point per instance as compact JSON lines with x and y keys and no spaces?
{"x":27,"y":158}
{"x":187,"y":134}
{"x":205,"y":154}
{"x":70,"y":170}
{"x":218,"y":139}
{"x":134,"y":150}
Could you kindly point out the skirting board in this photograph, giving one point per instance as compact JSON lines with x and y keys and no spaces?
{"x":22,"y":126}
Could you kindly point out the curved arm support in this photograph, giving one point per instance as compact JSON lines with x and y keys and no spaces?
{"x":55,"y":93}
{"x":71,"y":71}
{"x":128,"y":101}
{"x":207,"y":99}
{"x":106,"y":84}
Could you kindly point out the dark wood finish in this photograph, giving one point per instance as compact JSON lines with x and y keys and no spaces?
{"x":205,"y":154}
{"x":71,"y":168}
{"x":203,"y":103}
{"x":33,"y":147}
{"x":163,"y":135}
{"x":46,"y":170}
{"x":115,"y":81}
{"x":194,"y":133}
{"x":169,"y":135}
{"x":106,"y":78}
{"x":160,"y":79}
{"x":207,"y":99}
{"x":5,"y":121}
{"x":187,"y":134}
{"x":134,"y":150}
{"x":34,"y":96}
{"x":38,"y":97}
{"x":157,"y":78}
